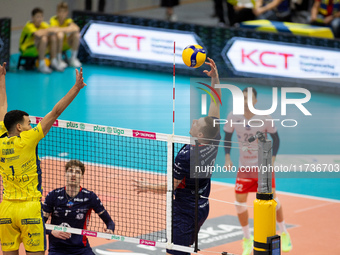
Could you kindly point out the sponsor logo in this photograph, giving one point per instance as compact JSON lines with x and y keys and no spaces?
{"x":263,"y":57}
{"x":5,"y":221}
{"x":147,"y":242}
{"x":142,"y":134}
{"x":30,"y":221}
{"x":60,"y":228}
{"x":99,"y":128}
{"x":32,"y":242}
{"x":88,"y":233}
{"x":82,"y":126}
{"x":118,"y":131}
{"x":7,"y":151}
{"x":7,"y":244}
{"x":109,"y":130}
{"x":38,"y":119}
{"x":30,"y":235}
{"x":72,"y":125}
{"x":122,"y":41}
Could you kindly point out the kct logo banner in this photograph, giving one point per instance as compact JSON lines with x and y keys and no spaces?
{"x":252,"y":56}
{"x":121,"y":41}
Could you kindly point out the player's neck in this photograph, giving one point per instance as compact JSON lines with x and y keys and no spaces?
{"x":61,"y":21}
{"x":72,"y":191}
{"x":248,"y":114}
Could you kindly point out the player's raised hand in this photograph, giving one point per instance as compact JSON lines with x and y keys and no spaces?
{"x":213,"y":71}
{"x":80,"y":79}
{"x":3,"y":69}
{"x":140,"y":186}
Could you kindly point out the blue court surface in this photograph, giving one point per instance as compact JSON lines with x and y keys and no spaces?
{"x":142,"y":100}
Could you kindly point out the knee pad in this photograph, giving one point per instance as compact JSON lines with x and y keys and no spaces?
{"x":240,"y":207}
{"x":278,"y":203}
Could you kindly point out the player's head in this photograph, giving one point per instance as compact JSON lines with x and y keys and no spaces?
{"x":74,"y":172}
{"x":17,"y":121}
{"x":245,"y":94}
{"x":204,"y":128}
{"x":62,"y":10}
{"x":37,"y":16}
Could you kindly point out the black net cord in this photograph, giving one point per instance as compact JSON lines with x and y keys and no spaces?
{"x":196,"y":196}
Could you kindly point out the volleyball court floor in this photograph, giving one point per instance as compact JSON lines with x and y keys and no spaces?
{"x":142,"y":100}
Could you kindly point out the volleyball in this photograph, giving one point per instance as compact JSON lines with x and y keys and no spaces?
{"x":193,"y":55}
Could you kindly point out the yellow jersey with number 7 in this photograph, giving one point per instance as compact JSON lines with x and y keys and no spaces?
{"x":20,"y":165}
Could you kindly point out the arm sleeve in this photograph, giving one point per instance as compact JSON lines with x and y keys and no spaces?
{"x":96,"y":204}
{"x":227,"y":142}
{"x":228,"y":127}
{"x":276,"y":142}
{"x":107,"y":220}
{"x":48,"y":203}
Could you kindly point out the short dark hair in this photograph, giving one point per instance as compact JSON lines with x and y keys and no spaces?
{"x":209,"y":130}
{"x":75,"y":162}
{"x":37,"y":10}
{"x":62,"y":5}
{"x":12,"y":118}
{"x":254,"y":91}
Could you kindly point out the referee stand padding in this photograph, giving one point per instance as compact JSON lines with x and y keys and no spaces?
{"x":288,"y":27}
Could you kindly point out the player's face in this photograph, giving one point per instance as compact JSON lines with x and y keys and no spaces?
{"x":62,"y":14}
{"x":37,"y":19}
{"x":196,"y":126}
{"x":26,"y":124}
{"x":254,"y":100}
{"x":74,"y":176}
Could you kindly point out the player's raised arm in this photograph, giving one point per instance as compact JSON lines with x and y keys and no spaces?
{"x":50,"y":118}
{"x":214,"y":109}
{"x":3,"y":95}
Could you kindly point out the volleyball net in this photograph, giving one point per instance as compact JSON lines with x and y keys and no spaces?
{"x":113,"y":158}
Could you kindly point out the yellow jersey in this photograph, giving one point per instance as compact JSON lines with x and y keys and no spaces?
{"x":54,"y":22}
{"x":27,"y":35}
{"x":20,"y":165}
{"x":3,"y":129}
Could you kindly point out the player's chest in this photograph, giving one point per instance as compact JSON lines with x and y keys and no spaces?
{"x":71,"y":209}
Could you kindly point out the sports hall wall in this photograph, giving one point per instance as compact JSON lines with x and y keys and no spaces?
{"x":313,"y":56}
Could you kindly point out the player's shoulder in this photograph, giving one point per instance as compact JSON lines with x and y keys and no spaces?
{"x":55,"y":192}
{"x":69,"y":21}
{"x":44,"y":25}
{"x":87,"y":192}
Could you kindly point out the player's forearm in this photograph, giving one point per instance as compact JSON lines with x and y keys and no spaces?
{"x":3,"y":97}
{"x":214,"y":81}
{"x":106,"y":218}
{"x":65,"y":101}
{"x":315,"y":10}
{"x":157,"y":188}
{"x":44,"y":32}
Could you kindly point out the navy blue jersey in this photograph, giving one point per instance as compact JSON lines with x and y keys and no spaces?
{"x":186,"y":160}
{"x":71,"y":212}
